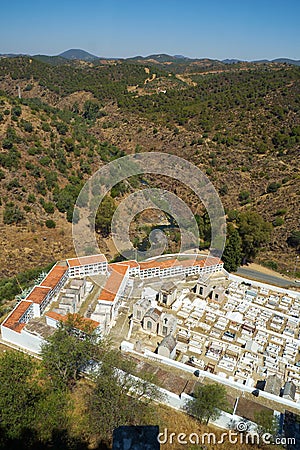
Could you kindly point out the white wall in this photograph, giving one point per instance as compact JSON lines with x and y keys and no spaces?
{"x":24,"y":339}
{"x":270,"y":287}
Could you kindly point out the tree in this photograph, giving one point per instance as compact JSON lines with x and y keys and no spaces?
{"x":91,"y":110}
{"x":104,"y":215}
{"x":69,"y":350}
{"x":207,"y":402}
{"x":267,"y":422}
{"x":232,"y":255}
{"x":117,"y":397}
{"x":254,"y":231}
{"x":51,"y":412}
{"x":18,"y":393}
{"x":31,"y":411}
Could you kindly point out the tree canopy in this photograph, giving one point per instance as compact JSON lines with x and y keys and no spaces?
{"x":207,"y":402}
{"x":232,"y":255}
{"x":69,"y":350}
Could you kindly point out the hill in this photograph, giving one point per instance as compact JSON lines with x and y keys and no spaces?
{"x":76,"y":53}
{"x":239,"y":123}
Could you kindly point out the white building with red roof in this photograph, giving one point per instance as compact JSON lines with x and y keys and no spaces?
{"x":87,"y":265}
{"x":14,"y":329}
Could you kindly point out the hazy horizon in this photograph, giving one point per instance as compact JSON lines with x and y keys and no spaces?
{"x":266,"y":29}
{"x":144,"y":55}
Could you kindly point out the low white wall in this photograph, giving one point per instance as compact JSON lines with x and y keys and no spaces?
{"x":214,"y":377}
{"x":24,"y":339}
{"x":270,"y":287}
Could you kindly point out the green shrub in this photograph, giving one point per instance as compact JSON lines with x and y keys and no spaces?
{"x":16,"y":111}
{"x":12,"y":214}
{"x":49,"y":207}
{"x":223,"y":189}
{"x":271,"y":265}
{"x":244,"y":197}
{"x":31,"y":198}
{"x":27,"y":126}
{"x":294,"y":239}
{"x":50,"y":223}
{"x":46,"y":127}
{"x":273,"y":187}
{"x":13,"y":184}
{"x":281,"y":212}
{"x":278,"y":221}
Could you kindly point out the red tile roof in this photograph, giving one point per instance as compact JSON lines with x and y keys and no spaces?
{"x":113,"y":282}
{"x":83,"y":260}
{"x":130,"y":263}
{"x":54,"y":276}
{"x":209,"y":261}
{"x":79,"y":321}
{"x":158,"y":264}
{"x":38,"y":294}
{"x":12,"y":320}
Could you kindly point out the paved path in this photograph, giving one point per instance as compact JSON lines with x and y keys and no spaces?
{"x":270,"y":279}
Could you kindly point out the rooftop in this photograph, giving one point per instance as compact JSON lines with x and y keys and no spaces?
{"x":131,"y":263}
{"x":83,"y":260}
{"x":78,"y":321}
{"x":114,"y":282}
{"x":54,"y":276}
{"x":209,"y":261}
{"x":38,"y":294}
{"x":12,"y":321}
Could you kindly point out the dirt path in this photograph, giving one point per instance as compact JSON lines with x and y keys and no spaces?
{"x":262,"y":269}
{"x":186,"y":80}
{"x":148,"y":80}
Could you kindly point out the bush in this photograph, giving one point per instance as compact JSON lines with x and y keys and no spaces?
{"x":278,"y":221}
{"x":27,"y":126}
{"x":61,"y":128}
{"x":7,"y":144}
{"x":223,"y":189}
{"x":31,"y":198}
{"x":49,"y":207}
{"x":273,"y":187}
{"x":16,"y":111}
{"x":271,"y":265}
{"x":281,"y":212}
{"x":50,"y":223}
{"x":12,"y":214}
{"x":41,"y":188}
{"x":46,"y":127}
{"x":13,"y":184}
{"x":294,"y":239}
{"x":45,"y":160}
{"x":244,"y":197}
{"x":91,"y":110}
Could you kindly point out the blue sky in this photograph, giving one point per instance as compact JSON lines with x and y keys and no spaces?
{"x":244,"y":29}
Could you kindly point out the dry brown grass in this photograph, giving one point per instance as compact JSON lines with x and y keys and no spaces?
{"x":174,"y":421}
{"x":178,"y":422}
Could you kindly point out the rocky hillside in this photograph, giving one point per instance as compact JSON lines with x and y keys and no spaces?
{"x":238,"y":123}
